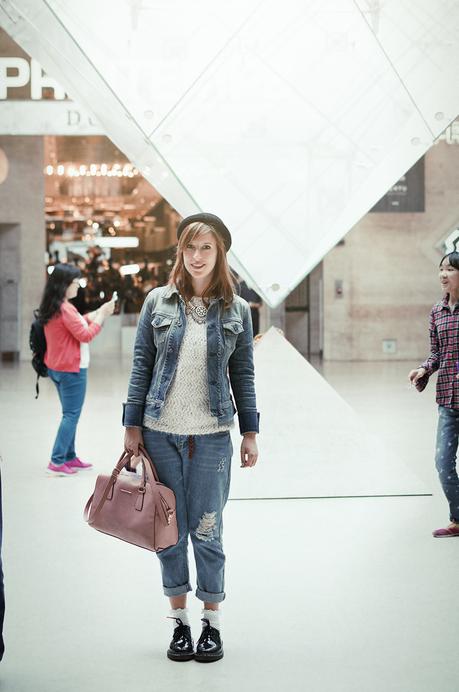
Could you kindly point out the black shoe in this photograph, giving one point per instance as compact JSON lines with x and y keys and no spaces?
{"x":209,"y":647}
{"x":181,"y":647}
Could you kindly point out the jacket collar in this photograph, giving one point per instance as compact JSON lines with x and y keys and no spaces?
{"x":171,"y":289}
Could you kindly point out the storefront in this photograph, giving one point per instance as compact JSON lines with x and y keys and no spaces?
{"x":67,"y":193}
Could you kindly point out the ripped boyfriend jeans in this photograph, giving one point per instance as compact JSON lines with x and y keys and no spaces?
{"x":198,"y":469}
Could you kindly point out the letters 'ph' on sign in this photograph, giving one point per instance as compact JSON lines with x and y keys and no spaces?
{"x":18,"y":73}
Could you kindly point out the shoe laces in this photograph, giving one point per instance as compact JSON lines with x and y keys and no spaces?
{"x":180,"y":630}
{"x":208,"y":630}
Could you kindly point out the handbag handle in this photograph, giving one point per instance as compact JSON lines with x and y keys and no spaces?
{"x":166,"y":513}
{"x":145,"y":455}
{"x":122,"y":462}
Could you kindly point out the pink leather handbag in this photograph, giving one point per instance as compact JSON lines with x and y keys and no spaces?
{"x":141,"y":510}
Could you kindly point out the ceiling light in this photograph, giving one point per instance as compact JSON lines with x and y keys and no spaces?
{"x":118,"y":242}
{"x":129,"y":269}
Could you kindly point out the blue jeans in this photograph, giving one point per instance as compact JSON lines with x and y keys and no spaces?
{"x":198,"y":469}
{"x":71,"y":387}
{"x":445,"y":457}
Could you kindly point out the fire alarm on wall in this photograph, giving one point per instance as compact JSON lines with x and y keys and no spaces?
{"x":389,"y":346}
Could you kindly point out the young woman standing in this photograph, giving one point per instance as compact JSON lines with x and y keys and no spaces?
{"x":444,"y":357}
{"x":193,"y":334}
{"x":67,"y":358}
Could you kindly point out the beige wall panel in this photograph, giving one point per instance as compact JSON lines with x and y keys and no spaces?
{"x":22,"y":203}
{"x":388,"y":265}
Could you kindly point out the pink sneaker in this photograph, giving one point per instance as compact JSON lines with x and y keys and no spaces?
{"x":59,"y":470}
{"x":449,"y":532}
{"x":78,"y":464}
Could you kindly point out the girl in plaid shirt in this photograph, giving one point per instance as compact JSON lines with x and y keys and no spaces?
{"x":444,"y":357}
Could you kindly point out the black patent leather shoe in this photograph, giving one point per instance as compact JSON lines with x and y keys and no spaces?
{"x":181,"y":647}
{"x":209,"y":647}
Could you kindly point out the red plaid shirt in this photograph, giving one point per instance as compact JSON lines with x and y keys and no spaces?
{"x":444,"y":352}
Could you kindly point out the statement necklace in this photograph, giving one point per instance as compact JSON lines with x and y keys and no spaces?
{"x":196,"y":308}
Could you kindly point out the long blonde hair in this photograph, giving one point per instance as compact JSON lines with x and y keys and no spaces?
{"x":222,"y":283}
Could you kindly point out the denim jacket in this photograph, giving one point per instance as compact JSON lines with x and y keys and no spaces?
{"x":229,"y":351}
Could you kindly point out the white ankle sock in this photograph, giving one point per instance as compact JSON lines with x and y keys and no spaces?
{"x":181,"y":613}
{"x":213,"y":616}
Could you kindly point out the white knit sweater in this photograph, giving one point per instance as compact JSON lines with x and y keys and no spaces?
{"x":186,"y":410}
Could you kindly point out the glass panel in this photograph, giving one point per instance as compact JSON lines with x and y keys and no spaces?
{"x":288,"y":122}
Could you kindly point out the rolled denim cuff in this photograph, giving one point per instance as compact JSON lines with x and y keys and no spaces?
{"x":177,"y":590}
{"x":249,"y":421}
{"x":209,"y":597}
{"x":132,"y":415}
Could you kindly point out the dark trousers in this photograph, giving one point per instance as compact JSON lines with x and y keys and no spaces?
{"x":255,"y":312}
{"x":2,"y":591}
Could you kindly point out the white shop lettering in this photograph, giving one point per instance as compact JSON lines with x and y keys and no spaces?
{"x":18,"y":72}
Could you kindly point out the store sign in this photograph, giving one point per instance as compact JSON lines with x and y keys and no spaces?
{"x":18,"y":72}
{"x":32,"y":103}
{"x":407,"y":195}
{"x":46,"y":118}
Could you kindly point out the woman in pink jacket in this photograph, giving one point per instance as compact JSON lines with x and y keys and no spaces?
{"x":67,"y":357}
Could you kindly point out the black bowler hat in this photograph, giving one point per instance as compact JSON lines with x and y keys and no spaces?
{"x":211,"y":220}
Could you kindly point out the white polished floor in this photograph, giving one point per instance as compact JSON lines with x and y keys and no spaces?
{"x":324,"y":594}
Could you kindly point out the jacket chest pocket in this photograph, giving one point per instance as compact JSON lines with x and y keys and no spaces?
{"x":161,"y":327}
{"x":231,"y":331}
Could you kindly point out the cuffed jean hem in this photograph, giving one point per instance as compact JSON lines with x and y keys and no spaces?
{"x":210,"y":597}
{"x":177,"y":590}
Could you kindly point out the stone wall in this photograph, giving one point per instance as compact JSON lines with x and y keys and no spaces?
{"x":389,"y":268}
{"x":22,"y":205}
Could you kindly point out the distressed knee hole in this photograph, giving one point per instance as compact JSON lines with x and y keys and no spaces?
{"x":206,"y":527}
{"x":221,"y":464}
